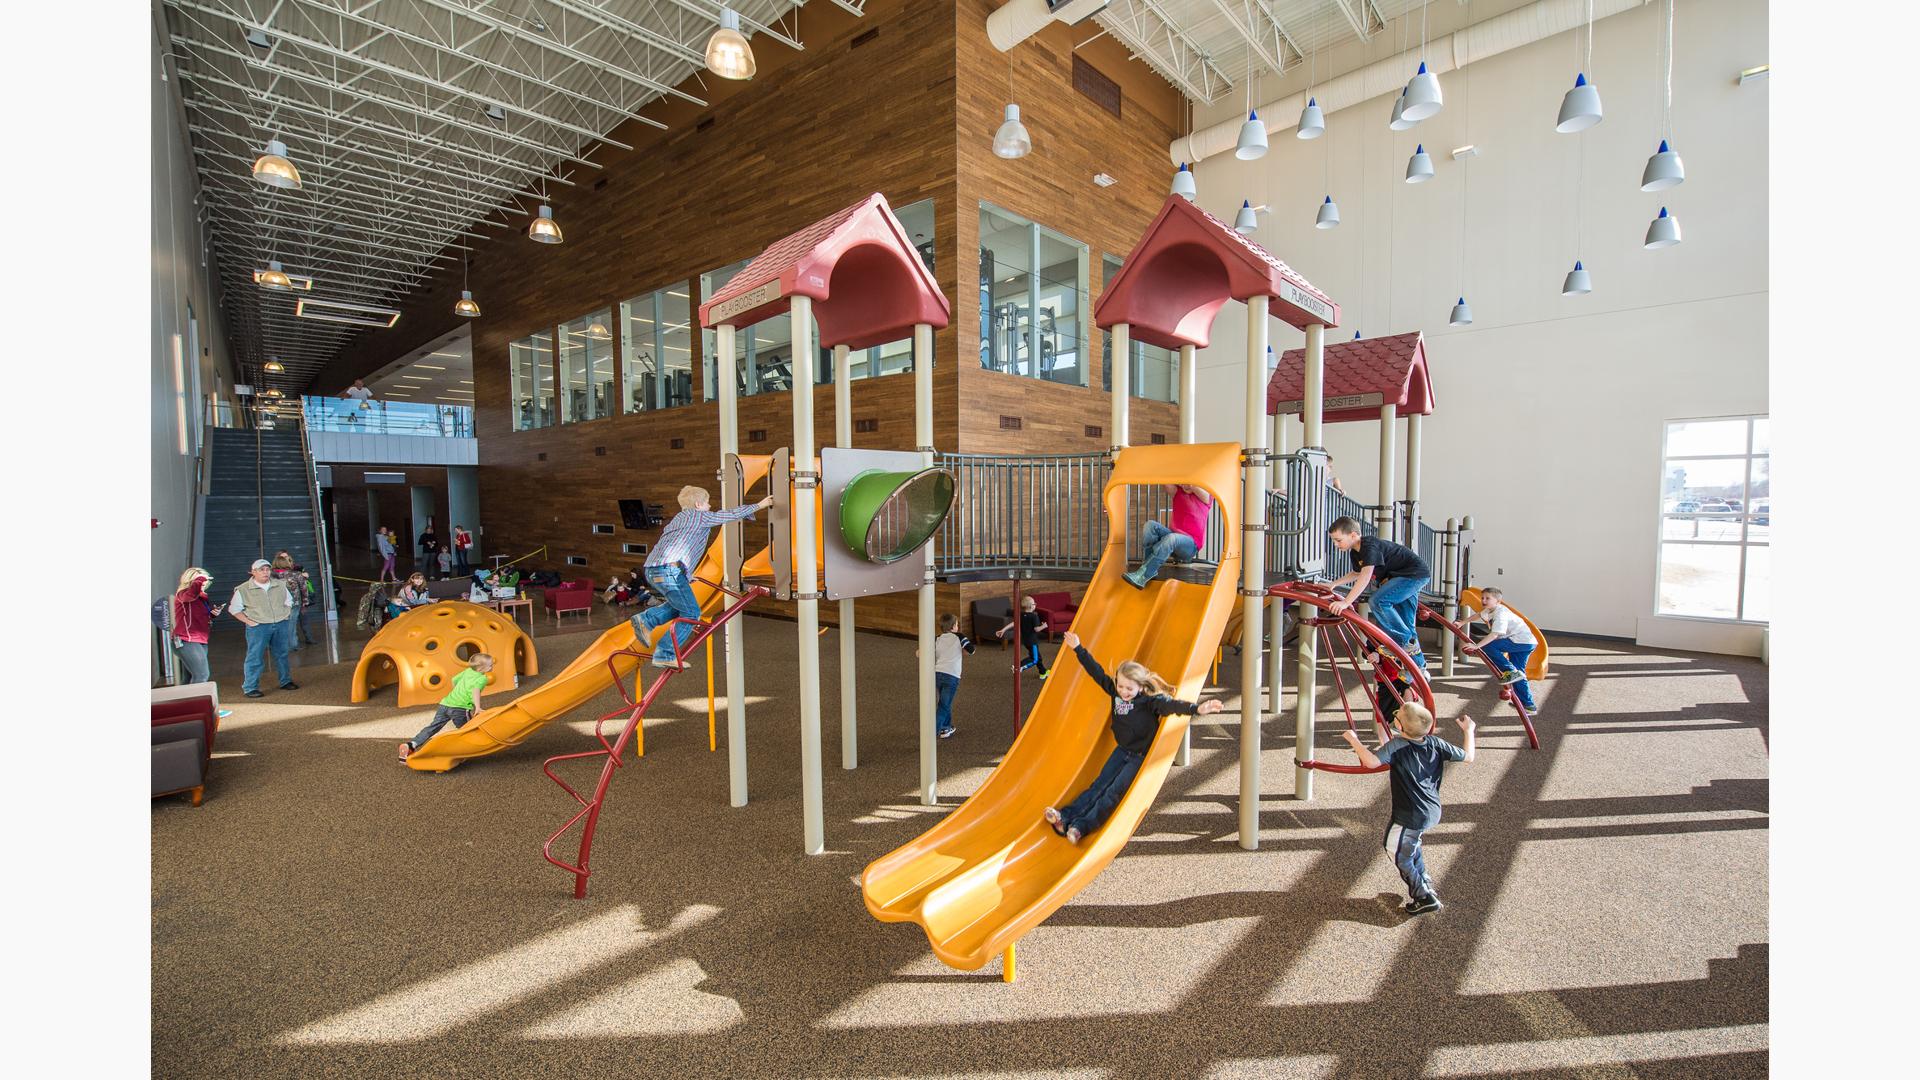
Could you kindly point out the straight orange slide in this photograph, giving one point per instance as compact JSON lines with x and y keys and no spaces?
{"x":993,"y":869}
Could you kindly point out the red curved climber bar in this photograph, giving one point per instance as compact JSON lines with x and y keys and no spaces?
{"x":1353,"y":634}
{"x":635,"y":711}
{"x":1506,"y":692}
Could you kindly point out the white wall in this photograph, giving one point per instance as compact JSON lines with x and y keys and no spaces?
{"x":1549,"y":409}
{"x":180,"y":281}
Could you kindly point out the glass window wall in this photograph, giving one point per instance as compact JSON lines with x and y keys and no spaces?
{"x":531,"y":359}
{"x":586,"y":367}
{"x":656,"y":358}
{"x":1033,"y":299}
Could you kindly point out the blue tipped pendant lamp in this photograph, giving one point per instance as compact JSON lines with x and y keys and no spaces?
{"x":1462,"y":314}
{"x":1578,"y":282}
{"x":1419,"y":166}
{"x":1253,"y":138}
{"x":1422,"y":95}
{"x":1313,"y":123}
{"x":1183,"y":185}
{"x":1580,"y":109}
{"x":1664,"y":232}
{"x":1329,"y":215}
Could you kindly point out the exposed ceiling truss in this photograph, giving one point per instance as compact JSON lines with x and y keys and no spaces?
{"x":423,"y":130}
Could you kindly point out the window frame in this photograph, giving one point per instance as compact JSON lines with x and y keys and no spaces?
{"x":1745,"y":541}
{"x":1083,"y":302}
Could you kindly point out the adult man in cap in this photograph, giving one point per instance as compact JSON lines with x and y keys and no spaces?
{"x":263,"y":603}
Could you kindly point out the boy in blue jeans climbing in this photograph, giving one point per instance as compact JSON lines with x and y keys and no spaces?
{"x":1140,"y":699}
{"x":1402,"y":573}
{"x":1508,"y":643}
{"x":670,"y":569}
{"x":1417,"y":758}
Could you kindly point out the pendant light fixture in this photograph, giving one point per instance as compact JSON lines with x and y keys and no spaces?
{"x":728,"y":54}
{"x":597,"y":331}
{"x":1423,"y":93}
{"x":274,"y":277}
{"x":1578,"y":283}
{"x":1664,"y":169}
{"x":1580,"y":109}
{"x":1329,"y":215}
{"x":1462,"y":314}
{"x":543,"y":229}
{"x":1246,"y":221}
{"x":466,"y":307}
{"x":1183,"y":185}
{"x":1012,"y":140}
{"x":1419,"y":166}
{"x":274,"y":366}
{"x":1399,"y":122}
{"x":1664,"y":232}
{"x":1313,"y":123}
{"x":1253,"y":134}
{"x":273,"y":169}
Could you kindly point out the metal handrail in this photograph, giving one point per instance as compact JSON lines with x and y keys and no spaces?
{"x":321,"y":552}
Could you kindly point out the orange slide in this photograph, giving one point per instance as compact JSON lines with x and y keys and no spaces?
{"x":495,"y":729}
{"x":993,"y":869}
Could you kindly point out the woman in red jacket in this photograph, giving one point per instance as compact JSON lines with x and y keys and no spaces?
{"x":193,"y":616}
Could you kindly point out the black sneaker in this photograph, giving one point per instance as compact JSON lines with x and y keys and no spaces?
{"x":255,"y":693}
{"x":289,"y":686}
{"x":1423,"y":905}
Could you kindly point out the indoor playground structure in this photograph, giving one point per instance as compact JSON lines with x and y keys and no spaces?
{"x":849,"y":523}
{"x":421,"y":650}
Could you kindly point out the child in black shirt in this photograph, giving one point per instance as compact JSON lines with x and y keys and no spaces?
{"x":1402,"y":574}
{"x":1418,"y":759}
{"x":1032,"y":625}
{"x":1140,"y":699}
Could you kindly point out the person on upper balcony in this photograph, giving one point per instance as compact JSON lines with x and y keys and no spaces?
{"x":1181,"y":540}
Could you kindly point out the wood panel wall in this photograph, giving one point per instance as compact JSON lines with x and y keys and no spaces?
{"x":910,"y":113}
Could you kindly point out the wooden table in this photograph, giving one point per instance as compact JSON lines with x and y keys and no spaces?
{"x":505,"y":606}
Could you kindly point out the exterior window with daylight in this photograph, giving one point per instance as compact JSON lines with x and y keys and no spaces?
{"x":531,"y":358}
{"x":586,"y":367}
{"x":656,"y":357}
{"x":1716,"y":519}
{"x":1156,"y":371}
{"x":1033,"y":299}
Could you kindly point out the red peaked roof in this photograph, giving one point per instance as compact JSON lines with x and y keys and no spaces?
{"x":1361,"y":376}
{"x":1190,"y":263}
{"x":866,"y":279}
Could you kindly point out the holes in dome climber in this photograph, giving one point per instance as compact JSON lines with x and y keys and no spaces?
{"x":466,"y":649}
{"x":430,"y":644}
{"x":494,"y":626}
{"x":459,"y":626}
{"x":433,"y":679}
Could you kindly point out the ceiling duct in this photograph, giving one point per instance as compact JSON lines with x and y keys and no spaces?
{"x":1018,"y":20}
{"x":1489,"y":37}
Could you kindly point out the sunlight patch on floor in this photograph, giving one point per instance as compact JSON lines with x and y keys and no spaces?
{"x":1290,"y":1067}
{"x":663,"y":1002}
{"x":1594,"y":1051}
{"x":250,"y":714}
{"x":1624,"y":765}
{"x":1065,"y":974}
{"x":402,"y":726}
{"x":440,"y":1004}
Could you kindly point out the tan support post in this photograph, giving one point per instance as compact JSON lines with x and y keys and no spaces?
{"x":1253,"y":574}
{"x":1308,"y":677}
{"x":1277,"y":631}
{"x":923,"y":436}
{"x":1383,"y":517}
{"x":733,"y":633}
{"x":806,"y":579}
{"x":849,"y":687}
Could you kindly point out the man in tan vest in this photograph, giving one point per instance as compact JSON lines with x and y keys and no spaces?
{"x":264,"y":604}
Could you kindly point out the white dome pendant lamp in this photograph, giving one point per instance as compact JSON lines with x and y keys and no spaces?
{"x":1578,"y":283}
{"x":1419,"y":166}
{"x":1664,"y":170}
{"x":1664,"y":232}
{"x":1247,"y":220}
{"x":1399,"y":122}
{"x":1313,"y":123}
{"x":1012,"y":140}
{"x":728,"y":54}
{"x":1183,"y":184}
{"x":1253,"y":138}
{"x":1329,"y":215}
{"x":1462,"y":314}
{"x":1423,"y":92}
{"x":1580,"y":109}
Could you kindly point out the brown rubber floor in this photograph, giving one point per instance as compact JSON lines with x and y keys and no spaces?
{"x":330,"y":913}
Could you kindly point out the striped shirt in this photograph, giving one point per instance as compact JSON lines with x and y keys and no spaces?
{"x":684,"y":539}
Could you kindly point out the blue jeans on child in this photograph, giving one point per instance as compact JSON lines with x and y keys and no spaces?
{"x":1161,"y":543}
{"x":1403,"y":847}
{"x":1090,"y":810}
{"x":1510,"y":657}
{"x":672,"y":583}
{"x":264,"y":638}
{"x":1395,"y":605}
{"x":945,"y":686}
{"x":442,"y":716}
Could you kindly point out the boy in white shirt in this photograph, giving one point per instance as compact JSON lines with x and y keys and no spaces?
{"x":948,"y":650}
{"x":1508,"y":643}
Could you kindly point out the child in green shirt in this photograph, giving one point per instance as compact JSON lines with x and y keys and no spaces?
{"x":458,"y":706}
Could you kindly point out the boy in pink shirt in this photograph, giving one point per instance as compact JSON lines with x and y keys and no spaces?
{"x":1181,"y":542}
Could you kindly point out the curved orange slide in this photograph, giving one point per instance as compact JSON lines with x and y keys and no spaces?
{"x":1537,"y":663}
{"x":495,"y":729}
{"x":993,"y":869}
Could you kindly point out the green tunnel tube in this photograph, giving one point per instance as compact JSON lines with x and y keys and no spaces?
{"x":887,"y":516}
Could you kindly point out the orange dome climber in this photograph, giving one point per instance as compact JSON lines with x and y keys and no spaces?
{"x":425,"y":648}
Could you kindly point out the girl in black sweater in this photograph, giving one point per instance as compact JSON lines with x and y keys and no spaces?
{"x":1140,"y":699}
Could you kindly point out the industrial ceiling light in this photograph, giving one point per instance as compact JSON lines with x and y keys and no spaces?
{"x":274,"y":366}
{"x":1183,"y":185}
{"x":274,"y":277}
{"x":466,"y":307}
{"x":597,"y":331}
{"x":1253,"y":138}
{"x":728,"y":54}
{"x":1012,"y":140}
{"x":1399,"y":122}
{"x":1580,"y":109}
{"x":1313,"y":123}
{"x":1664,"y":232}
{"x":1578,"y":282}
{"x":273,"y":169}
{"x":1246,"y":221}
{"x":543,"y":229}
{"x":1423,"y":95}
{"x":294,"y":281}
{"x":259,"y":40}
{"x":1419,"y":166}
{"x":1462,"y":314}
{"x":1329,"y":214}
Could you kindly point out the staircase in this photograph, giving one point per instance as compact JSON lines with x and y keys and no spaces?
{"x":260,"y":500}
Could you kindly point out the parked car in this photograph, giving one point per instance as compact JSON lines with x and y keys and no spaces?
{"x":1762,"y":511}
{"x":1715,"y":506}
{"x":1735,"y":505}
{"x":1686,"y":506}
